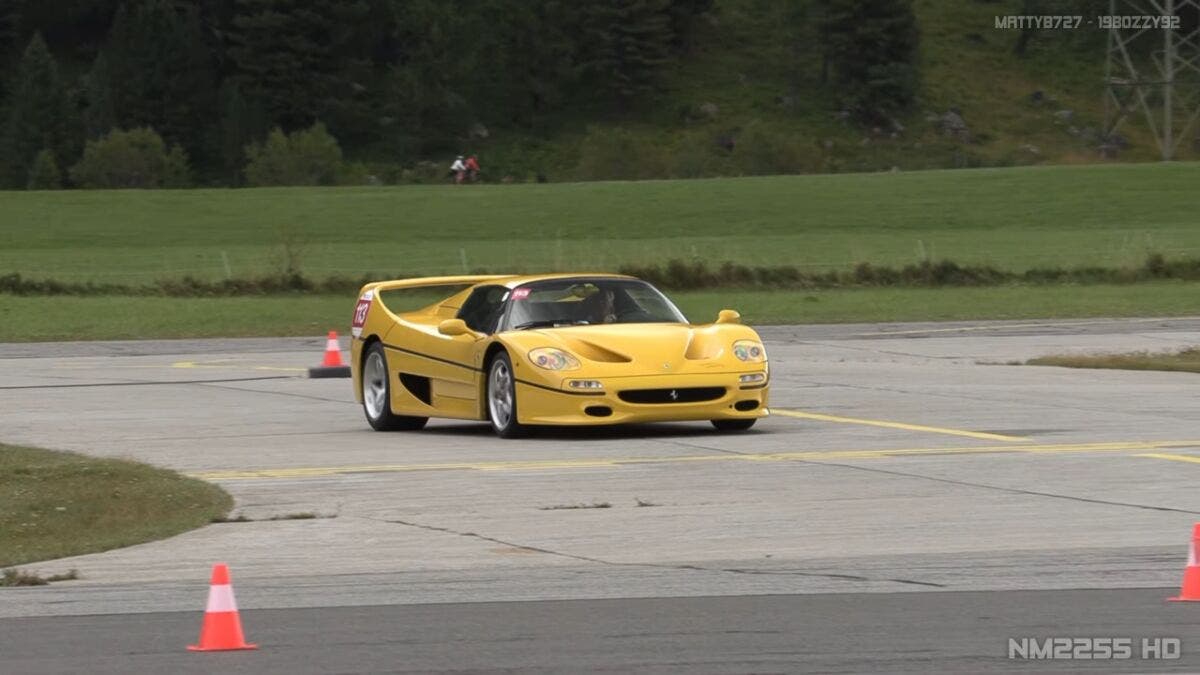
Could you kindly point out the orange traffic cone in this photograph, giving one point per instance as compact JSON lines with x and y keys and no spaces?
{"x":222,"y":629}
{"x":332,"y":365}
{"x":333,"y":353}
{"x":1190,"y":592}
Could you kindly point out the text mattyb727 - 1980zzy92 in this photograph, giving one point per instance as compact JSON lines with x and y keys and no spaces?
{"x":1101,"y":21}
{"x":1095,"y":648}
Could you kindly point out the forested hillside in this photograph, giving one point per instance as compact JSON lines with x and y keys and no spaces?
{"x":150,"y":93}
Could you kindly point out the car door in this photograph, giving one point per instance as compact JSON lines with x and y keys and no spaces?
{"x":458,"y":389}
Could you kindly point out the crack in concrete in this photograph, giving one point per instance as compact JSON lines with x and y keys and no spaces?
{"x":962,"y":483}
{"x":308,"y":397}
{"x":680,"y":567}
{"x":695,"y":446}
{"x":997,"y":488}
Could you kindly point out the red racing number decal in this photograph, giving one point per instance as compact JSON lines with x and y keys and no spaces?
{"x":360,"y":313}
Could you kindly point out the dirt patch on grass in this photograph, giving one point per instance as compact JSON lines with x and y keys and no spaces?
{"x":16,"y":577}
{"x":1186,"y":360}
{"x":57,"y":504}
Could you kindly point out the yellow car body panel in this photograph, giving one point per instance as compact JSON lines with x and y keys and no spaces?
{"x":431,"y":374}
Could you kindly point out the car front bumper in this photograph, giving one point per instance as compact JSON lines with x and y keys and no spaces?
{"x":539,"y":404}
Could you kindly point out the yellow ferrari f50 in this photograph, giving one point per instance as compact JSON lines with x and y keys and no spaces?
{"x":520,"y":351}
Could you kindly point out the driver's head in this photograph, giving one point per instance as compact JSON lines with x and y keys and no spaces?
{"x":599,"y":307}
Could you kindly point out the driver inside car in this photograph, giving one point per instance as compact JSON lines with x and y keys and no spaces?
{"x":599,"y":307}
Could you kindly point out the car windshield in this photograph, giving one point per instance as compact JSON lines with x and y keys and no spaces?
{"x":580,"y":302}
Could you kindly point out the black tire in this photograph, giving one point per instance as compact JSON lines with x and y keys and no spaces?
{"x":501,"y":394}
{"x":377,"y":394}
{"x":734,"y":425}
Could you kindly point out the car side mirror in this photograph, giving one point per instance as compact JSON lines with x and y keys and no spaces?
{"x":728,"y":316}
{"x":453,"y":327}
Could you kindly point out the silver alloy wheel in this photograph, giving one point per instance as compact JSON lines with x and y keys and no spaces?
{"x":374,"y":386}
{"x":500,"y":394}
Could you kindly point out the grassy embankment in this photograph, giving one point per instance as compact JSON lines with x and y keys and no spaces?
{"x":1011,"y":219}
{"x":57,"y":504}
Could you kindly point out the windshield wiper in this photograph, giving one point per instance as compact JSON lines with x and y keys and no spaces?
{"x":544,"y":323}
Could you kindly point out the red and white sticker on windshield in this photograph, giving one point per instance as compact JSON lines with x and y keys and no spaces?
{"x":520,"y":294}
{"x":360,"y":313}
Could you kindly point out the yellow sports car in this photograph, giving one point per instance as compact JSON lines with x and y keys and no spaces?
{"x":551,"y":349}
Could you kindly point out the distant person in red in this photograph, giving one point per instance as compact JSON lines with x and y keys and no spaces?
{"x":472,"y":168}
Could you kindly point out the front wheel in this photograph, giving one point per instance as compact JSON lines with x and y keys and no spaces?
{"x":734,"y":425}
{"x":377,"y":395}
{"x":502,"y":398}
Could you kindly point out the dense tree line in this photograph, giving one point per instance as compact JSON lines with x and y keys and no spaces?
{"x":871,"y":55}
{"x":390,"y":79}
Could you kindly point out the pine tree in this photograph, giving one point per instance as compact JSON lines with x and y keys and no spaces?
{"x":683,"y":20}
{"x":38,"y":116}
{"x":157,"y":72}
{"x":299,"y":60}
{"x":9,"y":29}
{"x":242,"y":123}
{"x":432,"y":81}
{"x":870,"y":46}
{"x":628,"y":42}
{"x":10,"y":19}
{"x":98,"y":115}
{"x":45,"y":174}
{"x":525,"y":62}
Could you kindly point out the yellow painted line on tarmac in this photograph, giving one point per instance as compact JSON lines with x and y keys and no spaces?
{"x":221,"y":363}
{"x":224,"y":363}
{"x":595,"y":462}
{"x":1177,"y":458}
{"x":897,"y":425}
{"x":548,"y":464}
{"x":231,"y":365}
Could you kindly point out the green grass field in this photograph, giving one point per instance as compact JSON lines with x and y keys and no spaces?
{"x":1010,"y":218}
{"x":25,"y":319}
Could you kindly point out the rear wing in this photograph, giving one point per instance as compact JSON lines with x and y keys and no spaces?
{"x":426,"y":282}
{"x":370,"y":294}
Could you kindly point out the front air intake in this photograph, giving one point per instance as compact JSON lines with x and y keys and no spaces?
{"x":680,"y":395}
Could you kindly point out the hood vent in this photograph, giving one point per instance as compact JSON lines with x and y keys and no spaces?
{"x":594,"y":352}
{"x":702,"y":346}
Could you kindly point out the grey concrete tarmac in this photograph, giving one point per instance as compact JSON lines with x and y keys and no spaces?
{"x":902,"y":460}
{"x":961,"y":632}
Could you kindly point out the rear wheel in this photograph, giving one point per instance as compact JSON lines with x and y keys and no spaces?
{"x":502,"y":398}
{"x":734,"y":425}
{"x":377,"y":395}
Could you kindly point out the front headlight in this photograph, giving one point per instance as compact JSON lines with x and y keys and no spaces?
{"x":553,"y":359}
{"x":749,"y":350}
